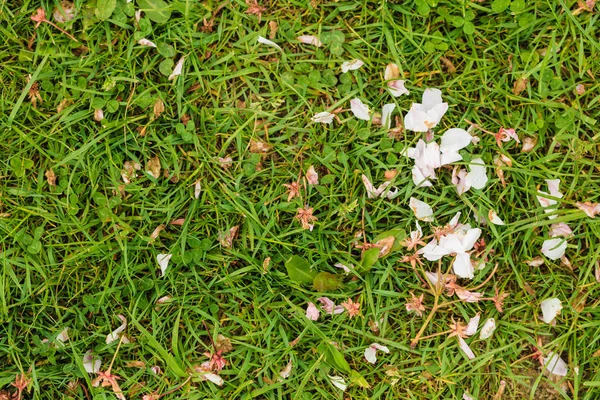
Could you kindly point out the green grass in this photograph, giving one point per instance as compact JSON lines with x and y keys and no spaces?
{"x":78,"y":254}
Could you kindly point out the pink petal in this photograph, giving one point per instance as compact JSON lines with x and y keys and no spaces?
{"x":310,"y":39}
{"x":312,"y":312}
{"x":465,"y":347}
{"x":359,"y":109}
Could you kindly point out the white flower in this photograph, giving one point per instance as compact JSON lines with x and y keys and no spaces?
{"x":386,"y":115}
{"x":338,"y":382}
{"x":488,"y":328}
{"x":371,"y":352}
{"x":459,"y":243}
{"x":312,"y":312}
{"x":351,"y":65}
{"x":310,"y":39}
{"x":359,"y":109}
{"x":268,"y":42}
{"x":425,"y":116}
{"x":476,"y":178}
{"x":550,"y":309}
{"x":163,"y":262}
{"x":178,"y":69}
{"x":555,"y":364}
{"x":422,"y":210}
{"x":554,"y":248}
{"x":323,"y":117}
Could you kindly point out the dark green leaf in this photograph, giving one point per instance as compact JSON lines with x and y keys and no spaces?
{"x":299,"y":271}
{"x":324,"y":281}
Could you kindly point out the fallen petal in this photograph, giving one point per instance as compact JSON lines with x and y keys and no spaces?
{"x":554,"y":248}
{"x":359,"y":109}
{"x":351,"y":65}
{"x":163,"y":262}
{"x":323,"y":117}
{"x":114,"y":335}
{"x":338,"y":382}
{"x":465,"y":347}
{"x":555,"y":365}
{"x":178,"y":69}
{"x":310,"y":39}
{"x":550,"y":309}
{"x":270,"y":43}
{"x":488,"y":329}
{"x":91,"y":362}
{"x":422,"y":210}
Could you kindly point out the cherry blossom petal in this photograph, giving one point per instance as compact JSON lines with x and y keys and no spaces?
{"x":477,"y":177}
{"x":63,"y":336}
{"x":163,"y":262}
{"x":270,"y":43}
{"x":396,"y":88}
{"x":344,"y":267}
{"x":471,"y":238}
{"x":590,"y":209}
{"x":311,"y":176}
{"x":473,"y":325}
{"x":415,"y":119}
{"x":494,"y":218}
{"x":560,"y":229}
{"x":550,"y":309}
{"x":555,"y":365}
{"x":386,"y":115}
{"x":554,"y":248}
{"x":312,"y":312}
{"x":338,"y":382}
{"x":553,"y":185}
{"x":371,"y":352}
{"x":310,"y":39}
{"x":462,"y":266}
{"x":391,"y":72}
{"x":114,"y":335}
{"x":351,"y":65}
{"x":488,"y":329}
{"x":178,"y":69}
{"x":455,"y":139}
{"x":91,"y":362}
{"x":465,"y":347}
{"x":422,"y":210}
{"x":359,"y":109}
{"x":323,"y":117}
{"x":433,"y":252}
{"x":214,"y":378}
{"x":419,"y":179}
{"x":287,"y":370}
{"x":146,"y":42}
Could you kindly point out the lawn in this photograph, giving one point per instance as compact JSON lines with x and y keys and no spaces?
{"x":258,"y":200}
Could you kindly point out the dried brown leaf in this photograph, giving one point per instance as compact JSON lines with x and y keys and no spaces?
{"x":51,"y":178}
{"x":520,"y":85}
{"x":153,"y":167}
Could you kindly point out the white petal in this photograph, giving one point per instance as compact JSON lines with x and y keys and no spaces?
{"x":327,"y":303}
{"x":466,"y":396}
{"x":178,"y":69}
{"x":477,"y":177}
{"x":432,"y":251}
{"x":462,"y":266}
{"x":371,"y":192}
{"x":351,"y":65}
{"x":163,"y":262}
{"x":197,"y":189}
{"x":359,"y":109}
{"x":386,"y":115}
{"x":494,"y":218}
{"x":269,"y":43}
{"x":459,"y":180}
{"x":415,"y":119}
{"x":114,"y":335}
{"x":554,"y":248}
{"x":555,"y":364}
{"x":471,"y":238}
{"x":285,"y":372}
{"x":311,"y":176}
{"x":550,"y":309}
{"x":310,"y":39}
{"x":146,"y":42}
{"x":396,"y":88}
{"x":488,"y":328}
{"x":454,"y":140}
{"x":560,"y":229}
{"x":63,"y":336}
{"x":452,"y":243}
{"x":338,"y":382}
{"x":214,"y":378}
{"x":465,"y":347}
{"x":381,"y":347}
{"x":323,"y":117}
{"x":434,"y":116}
{"x":431,"y":98}
{"x":312,"y":312}
{"x":553,"y":185}
{"x":473,"y":325}
{"x":91,"y":362}
{"x":433,"y":277}
{"x":545,"y":202}
{"x":422,"y":210}
{"x":391,"y":72}
{"x":371,"y":355}
{"x":450,"y":157}
{"x":419,"y":178}
{"x":454,"y":221}
{"x":344,"y":267}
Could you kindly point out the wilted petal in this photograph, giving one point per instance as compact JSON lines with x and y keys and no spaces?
{"x":285,"y":372}
{"x":63,"y":336}
{"x":114,"y":335}
{"x":327,"y":303}
{"x":386,"y":115}
{"x":488,"y":329}
{"x":477,"y":177}
{"x":494,"y":218}
{"x":462,"y":266}
{"x":270,"y":43}
{"x":466,"y":396}
{"x":310,"y":39}
{"x":311,"y":176}
{"x":351,"y":65}
{"x":590,"y":209}
{"x":560,"y":229}
{"x":344,"y":267}
{"x":359,"y":109}
{"x":178,"y":69}
{"x":465,"y":347}
{"x":312,"y":312}
{"x":323,"y":117}
{"x":473,"y":325}
{"x":391,"y":72}
{"x":91,"y":362}
{"x":396,"y":88}
{"x":371,"y":352}
{"x":146,"y":42}
{"x":338,"y":382}
{"x":197,"y":189}
{"x":550,"y":309}
{"x":163,"y":262}
{"x":555,"y":364}
{"x":214,"y":378}
{"x":468,"y":296}
{"x":422,"y":210}
{"x":554,"y":248}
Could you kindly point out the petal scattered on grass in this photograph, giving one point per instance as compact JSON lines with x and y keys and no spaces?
{"x":146,"y":42}
{"x":422,"y":210}
{"x":550,"y":309}
{"x":371,"y":352}
{"x":178,"y":69}
{"x":359,"y":109}
{"x":269,"y":43}
{"x":323,"y":117}
{"x":351,"y":65}
{"x":473,"y":325}
{"x":494,"y":218}
{"x":465,"y":347}
{"x":477,"y":177}
{"x":91,"y":362}
{"x":555,"y":365}
{"x":163,"y":262}
{"x":338,"y":382}
{"x":554,"y":248}
{"x":590,"y":209}
{"x":386,"y":115}
{"x":310,"y":39}
{"x":488,"y":329}
{"x":312,"y":312}
{"x":311,"y":176}
{"x":114,"y":335}
{"x":287,"y":370}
